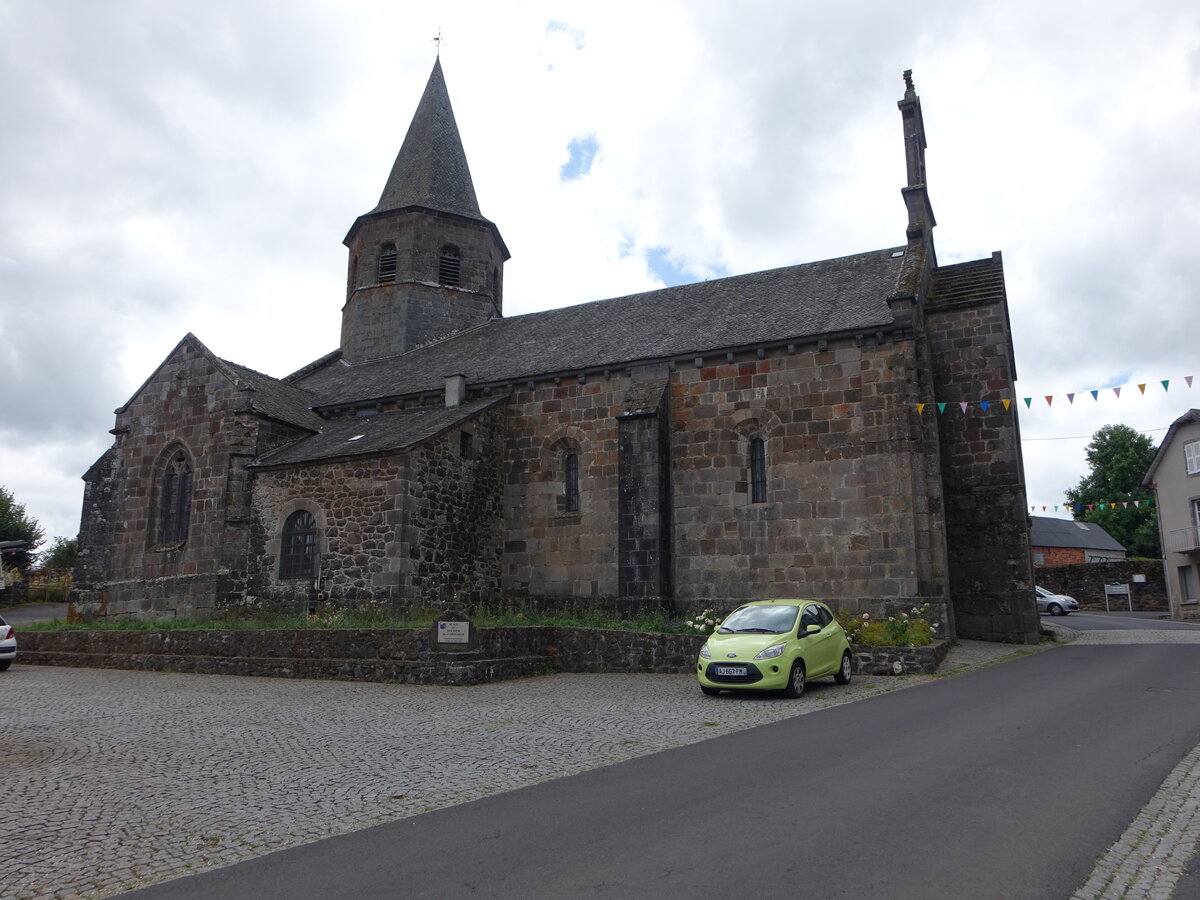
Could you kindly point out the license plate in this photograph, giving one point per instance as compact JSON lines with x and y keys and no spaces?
{"x":731,"y":671}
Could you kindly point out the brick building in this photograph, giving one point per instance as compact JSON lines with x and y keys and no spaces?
{"x":692,"y":447}
{"x":1065,"y":542}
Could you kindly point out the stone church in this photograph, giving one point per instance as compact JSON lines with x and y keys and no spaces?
{"x":774,"y":434}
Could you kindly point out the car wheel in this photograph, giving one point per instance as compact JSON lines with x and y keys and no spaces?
{"x":846,"y":672}
{"x":1054,"y":609}
{"x":4,"y":664}
{"x":796,"y":680}
{"x":712,"y":692}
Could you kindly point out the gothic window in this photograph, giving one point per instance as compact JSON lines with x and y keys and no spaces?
{"x":466,"y":445}
{"x":298,"y":557}
{"x":175,"y":500}
{"x":449,"y":266}
{"x":387,"y":263}
{"x":758,"y":470}
{"x":571,"y":482}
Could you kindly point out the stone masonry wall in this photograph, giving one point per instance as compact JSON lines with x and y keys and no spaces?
{"x":1085,"y":582}
{"x":386,"y":319}
{"x":189,"y":403}
{"x":848,"y":517}
{"x":552,"y":554}
{"x":987,"y":526}
{"x":402,"y":530}
{"x":847,"y":512}
{"x":408,"y":655}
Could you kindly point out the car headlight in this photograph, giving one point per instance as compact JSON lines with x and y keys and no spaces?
{"x":772,"y":652}
{"x":704,"y":651}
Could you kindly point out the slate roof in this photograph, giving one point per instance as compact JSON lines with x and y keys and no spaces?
{"x":431,"y":168}
{"x":277,"y":399}
{"x":977,"y":281}
{"x":832,"y":296}
{"x":386,"y":432}
{"x":1051,"y":532}
{"x":1192,"y":415}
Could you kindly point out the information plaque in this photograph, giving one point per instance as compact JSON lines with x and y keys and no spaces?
{"x":454,"y":632}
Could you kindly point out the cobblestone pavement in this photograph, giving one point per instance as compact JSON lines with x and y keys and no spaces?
{"x":115,"y":779}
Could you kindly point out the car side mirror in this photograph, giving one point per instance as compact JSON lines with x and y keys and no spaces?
{"x":812,"y":629}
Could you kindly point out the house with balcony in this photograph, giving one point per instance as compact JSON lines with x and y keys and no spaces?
{"x":1175,"y":478}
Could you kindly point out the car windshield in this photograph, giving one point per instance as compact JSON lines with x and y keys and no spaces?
{"x":760,"y":620}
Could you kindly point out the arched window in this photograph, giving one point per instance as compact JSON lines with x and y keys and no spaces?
{"x":449,"y":266}
{"x":298,"y":554}
{"x":387,"y":263}
{"x":175,"y":500}
{"x":758,"y":470}
{"x":571,"y":482}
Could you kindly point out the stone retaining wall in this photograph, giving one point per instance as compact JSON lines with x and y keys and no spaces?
{"x":409,"y":655}
{"x":899,"y":660}
{"x":1085,"y":582}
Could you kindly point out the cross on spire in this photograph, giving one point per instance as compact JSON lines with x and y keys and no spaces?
{"x":437,"y":42}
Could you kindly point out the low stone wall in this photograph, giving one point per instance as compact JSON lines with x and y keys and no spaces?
{"x":899,"y":660}
{"x":410,"y":655}
{"x":1085,"y":582}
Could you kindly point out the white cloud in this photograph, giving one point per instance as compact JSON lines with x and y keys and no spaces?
{"x":178,"y":165}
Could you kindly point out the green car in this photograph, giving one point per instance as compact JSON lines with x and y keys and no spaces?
{"x":774,"y":645}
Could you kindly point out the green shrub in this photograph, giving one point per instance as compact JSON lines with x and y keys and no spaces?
{"x":910,"y":629}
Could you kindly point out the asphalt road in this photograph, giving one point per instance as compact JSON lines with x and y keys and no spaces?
{"x":1117,"y":620}
{"x":1007,"y":782}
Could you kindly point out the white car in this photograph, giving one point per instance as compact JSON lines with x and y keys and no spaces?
{"x":8,"y":645}
{"x":1055,"y":604}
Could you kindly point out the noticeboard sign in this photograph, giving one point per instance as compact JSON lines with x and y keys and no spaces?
{"x":454,"y":632}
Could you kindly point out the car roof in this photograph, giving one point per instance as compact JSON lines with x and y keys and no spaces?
{"x":777,"y":603}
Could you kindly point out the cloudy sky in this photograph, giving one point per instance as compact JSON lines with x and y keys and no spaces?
{"x":175,"y":166}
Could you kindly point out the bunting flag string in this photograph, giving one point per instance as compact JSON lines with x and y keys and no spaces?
{"x":1089,"y":507}
{"x":966,"y":405}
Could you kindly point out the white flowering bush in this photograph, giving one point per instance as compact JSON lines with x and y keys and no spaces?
{"x":905,"y":629}
{"x":705,"y":623}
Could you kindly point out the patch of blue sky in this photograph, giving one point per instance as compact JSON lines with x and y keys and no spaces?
{"x":574,"y":34}
{"x":1116,"y":380}
{"x":668,"y":271}
{"x":581,"y":153}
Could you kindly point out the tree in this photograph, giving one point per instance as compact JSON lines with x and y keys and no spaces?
{"x":61,"y":555}
{"x":1119,"y":458}
{"x":15,"y":525}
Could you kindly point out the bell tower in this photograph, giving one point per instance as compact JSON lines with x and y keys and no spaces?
{"x":424,"y":263}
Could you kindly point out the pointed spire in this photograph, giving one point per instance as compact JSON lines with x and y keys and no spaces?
{"x":916,"y":193}
{"x":431,"y":167}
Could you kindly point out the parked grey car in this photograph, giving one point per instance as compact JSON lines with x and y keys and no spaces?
{"x":1055,"y":604}
{"x":8,"y":645}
